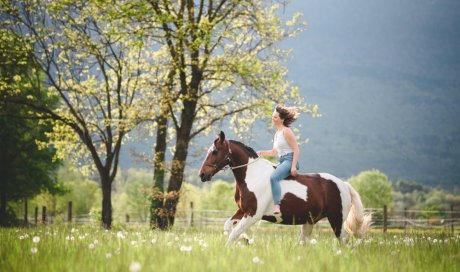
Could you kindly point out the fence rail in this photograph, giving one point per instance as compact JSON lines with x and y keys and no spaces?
{"x":396,"y":219}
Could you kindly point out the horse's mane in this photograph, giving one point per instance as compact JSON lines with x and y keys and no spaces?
{"x":251,"y":151}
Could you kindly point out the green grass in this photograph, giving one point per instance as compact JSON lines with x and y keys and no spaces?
{"x":272,"y":248}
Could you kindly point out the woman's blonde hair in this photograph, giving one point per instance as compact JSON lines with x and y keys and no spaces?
{"x":288,"y":114}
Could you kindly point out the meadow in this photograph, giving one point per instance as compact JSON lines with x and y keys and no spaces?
{"x":270,"y":248}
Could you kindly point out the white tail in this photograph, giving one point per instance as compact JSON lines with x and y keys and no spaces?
{"x":357,"y":222}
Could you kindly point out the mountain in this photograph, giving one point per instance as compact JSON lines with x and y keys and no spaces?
{"x":386,"y":77}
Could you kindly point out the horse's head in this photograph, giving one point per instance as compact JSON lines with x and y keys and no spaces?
{"x":218,"y":157}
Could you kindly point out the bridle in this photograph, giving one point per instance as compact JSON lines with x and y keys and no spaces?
{"x":226,"y":161}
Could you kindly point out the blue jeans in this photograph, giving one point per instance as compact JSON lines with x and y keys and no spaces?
{"x":282,"y":171}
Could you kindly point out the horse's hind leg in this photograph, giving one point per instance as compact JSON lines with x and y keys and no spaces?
{"x":305,"y":232}
{"x":336,"y":222}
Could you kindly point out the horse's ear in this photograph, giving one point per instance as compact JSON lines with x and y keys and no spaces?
{"x":221,"y":136}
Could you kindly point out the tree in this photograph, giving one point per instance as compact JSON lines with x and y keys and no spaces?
{"x":99,"y":68}
{"x":26,"y":168}
{"x":223,"y":63}
{"x":374,"y":188}
{"x":220,"y":196}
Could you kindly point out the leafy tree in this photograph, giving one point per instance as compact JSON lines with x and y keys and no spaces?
{"x":133,"y":194}
{"x":220,"y":196}
{"x":222,"y":62}
{"x":26,"y":168}
{"x":374,"y":188}
{"x":99,"y":68}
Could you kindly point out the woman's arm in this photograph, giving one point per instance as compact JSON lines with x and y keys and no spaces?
{"x":267,"y":152}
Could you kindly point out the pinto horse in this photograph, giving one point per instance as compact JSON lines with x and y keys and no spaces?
{"x":305,"y":199}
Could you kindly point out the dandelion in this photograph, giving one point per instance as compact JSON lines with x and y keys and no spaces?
{"x":91,"y":246}
{"x":154,"y":241}
{"x":251,"y":241}
{"x":120,"y":235}
{"x":34,"y":250}
{"x":69,"y":238}
{"x":22,"y":237}
{"x":313,"y":241}
{"x":108,"y":255}
{"x":186,"y":248}
{"x":135,"y":267}
{"x":36,"y":239}
{"x":134,"y":243}
{"x":257,"y":260}
{"x":338,"y":252}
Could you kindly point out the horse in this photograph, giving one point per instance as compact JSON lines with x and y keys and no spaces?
{"x":305,"y":199}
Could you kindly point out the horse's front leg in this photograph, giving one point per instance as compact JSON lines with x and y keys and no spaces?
{"x":244,"y":223}
{"x":233,"y":220}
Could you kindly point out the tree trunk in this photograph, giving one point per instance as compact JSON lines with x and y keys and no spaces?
{"x":178,"y":164}
{"x":106,"y":184}
{"x":157,"y":197}
{"x":3,"y":186}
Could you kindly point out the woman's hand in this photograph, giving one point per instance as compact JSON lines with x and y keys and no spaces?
{"x":293,"y":171}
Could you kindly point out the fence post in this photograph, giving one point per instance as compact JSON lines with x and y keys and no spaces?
{"x":36,"y":215}
{"x":452,"y":218}
{"x":26,"y":220}
{"x":190,"y":223}
{"x":69,"y":211}
{"x":43,"y":214}
{"x":385,"y":218}
{"x":405,"y":219}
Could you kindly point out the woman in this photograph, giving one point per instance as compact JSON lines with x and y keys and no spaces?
{"x":285,"y":146}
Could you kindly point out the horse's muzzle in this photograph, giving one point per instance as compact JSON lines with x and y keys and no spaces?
{"x":205,"y":177}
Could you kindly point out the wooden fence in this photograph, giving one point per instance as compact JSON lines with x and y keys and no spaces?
{"x":382,"y":218}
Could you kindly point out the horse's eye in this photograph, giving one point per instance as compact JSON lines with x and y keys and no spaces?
{"x":214,"y":152}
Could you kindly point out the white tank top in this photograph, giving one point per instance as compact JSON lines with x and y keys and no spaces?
{"x":281,"y":145}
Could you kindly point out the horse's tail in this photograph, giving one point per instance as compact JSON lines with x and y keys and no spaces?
{"x":358,"y":223}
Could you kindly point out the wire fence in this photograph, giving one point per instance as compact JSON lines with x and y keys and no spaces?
{"x":199,"y":218}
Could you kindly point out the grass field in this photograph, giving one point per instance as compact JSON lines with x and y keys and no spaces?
{"x":271,"y":248}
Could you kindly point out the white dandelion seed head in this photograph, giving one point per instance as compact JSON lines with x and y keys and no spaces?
{"x":251,"y":241}
{"x":34,"y":250}
{"x":225,"y":233}
{"x":134,"y":243}
{"x":120,"y":235}
{"x":36,"y":239}
{"x":313,"y":241}
{"x":108,"y":255}
{"x":91,"y":246}
{"x":257,"y":260}
{"x":22,"y":237}
{"x":186,"y":248}
{"x":135,"y":267}
{"x":154,"y":241}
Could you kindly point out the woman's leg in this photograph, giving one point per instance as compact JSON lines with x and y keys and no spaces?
{"x":282,"y":171}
